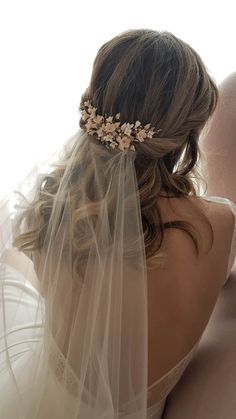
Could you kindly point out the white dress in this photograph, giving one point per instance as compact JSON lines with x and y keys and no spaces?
{"x":23,"y":337}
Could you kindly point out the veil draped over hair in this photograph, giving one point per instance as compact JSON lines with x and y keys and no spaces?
{"x":73,"y":319}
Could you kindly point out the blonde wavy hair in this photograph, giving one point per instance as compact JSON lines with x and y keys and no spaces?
{"x":156,"y":78}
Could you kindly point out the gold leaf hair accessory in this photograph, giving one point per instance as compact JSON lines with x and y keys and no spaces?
{"x":109,"y":131}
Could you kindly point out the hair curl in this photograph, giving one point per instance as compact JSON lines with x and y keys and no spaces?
{"x":156,"y":78}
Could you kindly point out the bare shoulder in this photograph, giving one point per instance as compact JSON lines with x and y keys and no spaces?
{"x":223,"y":222}
{"x":221,"y":219}
{"x":221,"y":215}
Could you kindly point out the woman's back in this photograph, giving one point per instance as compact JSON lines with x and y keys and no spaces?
{"x":183,"y":293}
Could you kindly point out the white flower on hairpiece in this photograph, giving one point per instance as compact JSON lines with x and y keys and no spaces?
{"x":108,"y":137}
{"x":112,"y":134}
{"x":127,"y":128}
{"x":100,"y":132}
{"x":91,"y":125}
{"x":141,"y":135}
{"x":98,"y":119}
{"x":150,"y":133}
{"x":137,"y":124}
{"x":110,"y":127}
{"x":124,"y":142}
{"x":85,"y":115}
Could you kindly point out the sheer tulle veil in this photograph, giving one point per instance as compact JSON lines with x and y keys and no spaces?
{"x":80,"y":348}
{"x":75,"y":248}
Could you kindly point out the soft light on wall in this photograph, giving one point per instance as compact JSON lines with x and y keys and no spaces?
{"x":48,"y":48}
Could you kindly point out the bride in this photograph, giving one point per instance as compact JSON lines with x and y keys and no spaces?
{"x":115,"y":260}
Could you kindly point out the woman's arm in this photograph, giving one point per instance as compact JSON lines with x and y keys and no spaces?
{"x":219,"y":144}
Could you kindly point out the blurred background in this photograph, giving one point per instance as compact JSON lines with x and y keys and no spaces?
{"x":47,"y":51}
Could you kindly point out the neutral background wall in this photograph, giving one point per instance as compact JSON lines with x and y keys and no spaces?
{"x":47,"y":51}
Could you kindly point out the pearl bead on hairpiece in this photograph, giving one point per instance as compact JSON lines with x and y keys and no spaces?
{"x":111,"y":133}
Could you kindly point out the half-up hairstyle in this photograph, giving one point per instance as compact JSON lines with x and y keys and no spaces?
{"x":155,"y":78}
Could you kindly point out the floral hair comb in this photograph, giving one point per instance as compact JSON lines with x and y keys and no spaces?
{"x":110,"y":132}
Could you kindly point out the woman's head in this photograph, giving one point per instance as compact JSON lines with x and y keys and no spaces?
{"x":155,"y":78}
